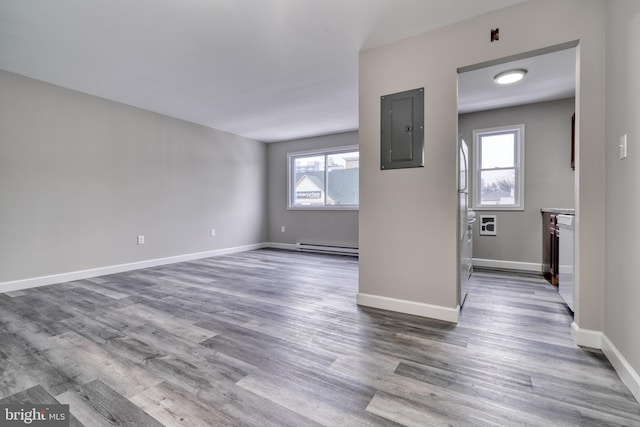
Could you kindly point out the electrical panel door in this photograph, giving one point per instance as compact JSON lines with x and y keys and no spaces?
{"x":402,"y":130}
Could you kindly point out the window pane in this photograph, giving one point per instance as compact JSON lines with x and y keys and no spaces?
{"x":497,"y":187}
{"x":308,"y":181}
{"x":498,"y":151}
{"x":343,"y":174}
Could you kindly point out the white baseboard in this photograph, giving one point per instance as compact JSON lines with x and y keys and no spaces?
{"x":586,"y":337}
{"x":508,"y":265}
{"x":286,"y":246}
{"x":625,"y":371}
{"x":16,"y":285}
{"x":446,"y":314}
{"x":595,"y":339}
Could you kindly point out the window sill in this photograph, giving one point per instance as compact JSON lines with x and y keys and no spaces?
{"x":323,"y":208}
{"x":498,"y":208}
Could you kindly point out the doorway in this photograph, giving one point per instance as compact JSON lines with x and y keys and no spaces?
{"x":543,"y":104}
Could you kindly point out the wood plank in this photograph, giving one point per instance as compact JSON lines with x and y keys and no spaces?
{"x":172,"y":405}
{"x":86,"y":361}
{"x":95,"y":404}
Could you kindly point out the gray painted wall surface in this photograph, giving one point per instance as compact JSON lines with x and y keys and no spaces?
{"x":81,"y":177}
{"x":407,"y":218}
{"x":622,"y":239}
{"x":549,"y":180}
{"x":314,"y":226}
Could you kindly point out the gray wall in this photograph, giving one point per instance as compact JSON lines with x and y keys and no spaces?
{"x":407,"y":218}
{"x":622,"y":239}
{"x":315,"y":226}
{"x":549,"y":180}
{"x":80,"y":177}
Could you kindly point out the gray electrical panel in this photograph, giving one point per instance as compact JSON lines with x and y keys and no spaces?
{"x":402,"y":130}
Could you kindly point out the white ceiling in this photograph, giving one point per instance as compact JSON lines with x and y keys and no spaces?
{"x":549,"y":76}
{"x":265,"y":69}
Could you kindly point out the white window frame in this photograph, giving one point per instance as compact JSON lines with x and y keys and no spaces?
{"x":290,"y":174}
{"x":519,"y":163}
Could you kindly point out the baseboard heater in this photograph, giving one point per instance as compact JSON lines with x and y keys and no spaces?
{"x":327,"y":248}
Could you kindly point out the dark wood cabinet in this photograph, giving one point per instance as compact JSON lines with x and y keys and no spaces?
{"x":551,"y":242}
{"x":550,"y":246}
{"x":573,"y":141}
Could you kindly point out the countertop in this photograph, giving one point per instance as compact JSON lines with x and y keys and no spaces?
{"x":564,"y":211}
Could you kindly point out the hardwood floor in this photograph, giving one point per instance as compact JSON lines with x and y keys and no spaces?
{"x":274,"y":338}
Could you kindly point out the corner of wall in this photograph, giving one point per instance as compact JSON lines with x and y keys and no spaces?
{"x":598,"y":340}
{"x":445,"y":314}
{"x":586,"y":337}
{"x":624,"y":369}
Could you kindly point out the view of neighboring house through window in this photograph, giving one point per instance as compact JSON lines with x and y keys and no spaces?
{"x":499,"y":168}
{"x":324,"y":179}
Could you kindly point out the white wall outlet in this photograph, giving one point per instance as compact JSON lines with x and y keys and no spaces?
{"x":623,"y":146}
{"x":282,"y":229}
{"x":141,"y":240}
{"x":213,"y":232}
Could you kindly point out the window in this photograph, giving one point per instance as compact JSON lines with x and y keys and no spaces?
{"x":327,"y":179}
{"x":499,"y":168}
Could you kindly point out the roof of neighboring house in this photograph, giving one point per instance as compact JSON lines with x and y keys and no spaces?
{"x":316,"y":177}
{"x":343,"y":185}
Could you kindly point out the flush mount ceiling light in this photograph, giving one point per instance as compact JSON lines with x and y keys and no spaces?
{"x":510,"y":76}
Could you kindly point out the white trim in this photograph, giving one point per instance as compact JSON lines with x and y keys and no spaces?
{"x":320,"y":151}
{"x":328,"y":150}
{"x":324,"y":208}
{"x":285,"y":246}
{"x":33,"y":282}
{"x":446,"y":314}
{"x":596,"y":339}
{"x":518,"y":131}
{"x":625,"y":371}
{"x":586,"y":337}
{"x":508,"y":265}
{"x":497,"y":208}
